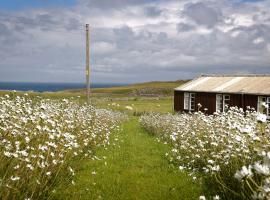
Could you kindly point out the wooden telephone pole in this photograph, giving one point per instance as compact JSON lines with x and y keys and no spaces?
{"x":87,"y":64}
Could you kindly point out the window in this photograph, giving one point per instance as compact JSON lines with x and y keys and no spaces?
{"x":219,"y":104}
{"x":222,"y":102}
{"x":189,"y":101}
{"x":261,"y":102}
{"x":268,"y":105}
{"x":264,"y":105}
{"x":192,"y":101}
{"x":226,"y":102}
{"x":186,"y":101}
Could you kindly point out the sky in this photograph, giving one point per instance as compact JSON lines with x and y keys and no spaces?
{"x":132,"y":40}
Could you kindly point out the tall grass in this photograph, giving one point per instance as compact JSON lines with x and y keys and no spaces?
{"x":40,"y":140}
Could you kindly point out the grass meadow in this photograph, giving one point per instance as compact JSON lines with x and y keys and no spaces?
{"x":128,"y":144}
{"x":133,"y":167}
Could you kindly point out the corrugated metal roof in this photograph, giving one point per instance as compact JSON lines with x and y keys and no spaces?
{"x":248,"y":84}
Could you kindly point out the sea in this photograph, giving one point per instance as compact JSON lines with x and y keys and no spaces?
{"x":51,"y":87}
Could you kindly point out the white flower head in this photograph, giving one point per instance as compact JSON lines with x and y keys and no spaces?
{"x":216,"y":197}
{"x":244,"y":172}
{"x":15,"y":178}
{"x":261,"y":169}
{"x":202,"y":198}
{"x":261,"y":118}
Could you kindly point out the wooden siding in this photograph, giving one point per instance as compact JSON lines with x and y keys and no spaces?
{"x":236,"y":100}
{"x":178,"y":101}
{"x":208,"y":100}
{"x":250,"y":100}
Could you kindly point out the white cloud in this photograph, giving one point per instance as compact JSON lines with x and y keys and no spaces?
{"x":258,"y":40}
{"x":102,"y":48}
{"x":135,"y":40}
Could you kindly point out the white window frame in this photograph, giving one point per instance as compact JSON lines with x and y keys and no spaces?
{"x":266,"y":100}
{"x":260,"y":101}
{"x":192,"y":101}
{"x":224,"y":102}
{"x":219,"y":103}
{"x":189,"y":101}
{"x":268,"y":109}
{"x":186,"y":101}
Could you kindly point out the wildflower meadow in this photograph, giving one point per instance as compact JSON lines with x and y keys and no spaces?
{"x":42,"y":142}
{"x":228,"y":153}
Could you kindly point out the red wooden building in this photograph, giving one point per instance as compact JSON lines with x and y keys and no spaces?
{"x":218,"y":92}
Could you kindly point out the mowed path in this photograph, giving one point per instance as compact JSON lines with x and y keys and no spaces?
{"x":133,"y":167}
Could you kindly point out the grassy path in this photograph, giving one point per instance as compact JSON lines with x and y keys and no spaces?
{"x":134,"y":167}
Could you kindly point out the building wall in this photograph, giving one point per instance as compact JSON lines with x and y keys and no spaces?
{"x":208,"y":100}
{"x":244,"y":100}
{"x":251,"y":100}
{"x":178,"y":101}
{"x":236,"y":100}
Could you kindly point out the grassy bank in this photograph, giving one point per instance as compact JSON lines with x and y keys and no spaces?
{"x":156,"y":88}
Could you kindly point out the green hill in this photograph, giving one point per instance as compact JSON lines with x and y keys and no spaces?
{"x":140,"y":89}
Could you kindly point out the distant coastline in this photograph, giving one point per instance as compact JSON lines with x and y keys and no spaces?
{"x":50,"y":87}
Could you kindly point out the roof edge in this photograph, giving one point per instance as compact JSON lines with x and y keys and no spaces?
{"x":187,"y":83}
{"x":235,"y":75}
{"x":222,"y":92}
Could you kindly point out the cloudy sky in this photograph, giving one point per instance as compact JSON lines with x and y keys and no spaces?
{"x":132,"y":40}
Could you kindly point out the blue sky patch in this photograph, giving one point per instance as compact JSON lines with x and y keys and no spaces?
{"x":22,"y":4}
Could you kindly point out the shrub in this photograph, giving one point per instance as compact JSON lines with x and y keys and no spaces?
{"x":40,"y":138}
{"x":212,"y":148}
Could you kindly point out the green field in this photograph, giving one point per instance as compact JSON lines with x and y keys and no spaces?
{"x":143,"y":97}
{"x":155,"y":88}
{"x":139,"y":105}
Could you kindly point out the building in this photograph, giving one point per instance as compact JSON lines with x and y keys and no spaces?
{"x":218,"y":92}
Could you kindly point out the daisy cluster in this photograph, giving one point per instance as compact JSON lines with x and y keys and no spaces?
{"x":213,"y":147}
{"x":255,"y":178}
{"x":40,"y":139}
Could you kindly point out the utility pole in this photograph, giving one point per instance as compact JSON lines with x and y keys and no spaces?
{"x":87,"y":64}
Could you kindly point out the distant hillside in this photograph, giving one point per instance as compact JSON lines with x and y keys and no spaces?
{"x":140,"y":89}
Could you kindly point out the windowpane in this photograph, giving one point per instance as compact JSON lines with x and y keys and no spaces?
{"x":262,"y":104}
{"x":219,"y":102}
{"x":186,"y":101}
{"x":227,"y":97}
{"x":192,"y":101}
{"x":189,"y":101}
{"x":268,"y":105}
{"x":226,"y":102}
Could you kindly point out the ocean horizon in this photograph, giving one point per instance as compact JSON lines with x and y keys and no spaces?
{"x":51,"y":87}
